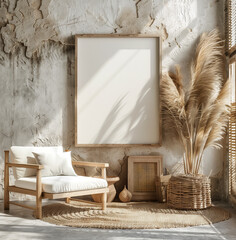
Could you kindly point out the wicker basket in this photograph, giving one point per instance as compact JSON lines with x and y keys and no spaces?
{"x":188,"y":192}
{"x":161,"y":188}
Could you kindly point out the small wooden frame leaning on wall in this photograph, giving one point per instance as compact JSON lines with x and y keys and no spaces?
{"x":142,"y":174}
{"x":117,"y":90}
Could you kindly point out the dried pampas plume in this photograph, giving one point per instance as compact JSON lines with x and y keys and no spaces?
{"x":198,"y":116}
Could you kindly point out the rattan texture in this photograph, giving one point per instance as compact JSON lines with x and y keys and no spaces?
{"x":189,"y":192}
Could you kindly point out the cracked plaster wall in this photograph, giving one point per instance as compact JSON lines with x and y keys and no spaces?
{"x":37,"y":70}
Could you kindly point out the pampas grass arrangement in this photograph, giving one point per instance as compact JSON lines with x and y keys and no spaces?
{"x":199,"y":115}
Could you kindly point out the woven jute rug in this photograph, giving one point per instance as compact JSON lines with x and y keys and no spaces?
{"x":134,"y":215}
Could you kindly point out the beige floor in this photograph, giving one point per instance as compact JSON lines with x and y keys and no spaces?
{"x":18,"y":224}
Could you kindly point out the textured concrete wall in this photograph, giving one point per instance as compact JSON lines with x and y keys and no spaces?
{"x":37,"y":69}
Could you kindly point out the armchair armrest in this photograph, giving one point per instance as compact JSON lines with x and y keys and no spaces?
{"x":90,"y":164}
{"x":34,"y":166}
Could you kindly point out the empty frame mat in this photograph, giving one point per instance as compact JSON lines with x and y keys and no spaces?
{"x":117,"y":90}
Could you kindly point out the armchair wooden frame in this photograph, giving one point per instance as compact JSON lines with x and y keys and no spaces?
{"x":39,"y":194}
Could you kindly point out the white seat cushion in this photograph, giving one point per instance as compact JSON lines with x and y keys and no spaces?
{"x":24,"y":155}
{"x":60,"y":184}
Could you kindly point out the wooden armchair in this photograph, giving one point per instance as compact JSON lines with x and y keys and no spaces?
{"x":39,"y":185}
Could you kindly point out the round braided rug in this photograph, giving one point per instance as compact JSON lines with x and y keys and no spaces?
{"x":134,"y":215}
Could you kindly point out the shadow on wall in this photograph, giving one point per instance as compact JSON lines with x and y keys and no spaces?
{"x":134,"y":121}
{"x":95,"y":69}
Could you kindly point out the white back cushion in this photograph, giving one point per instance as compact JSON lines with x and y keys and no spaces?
{"x":24,"y":155}
{"x":55,"y":164}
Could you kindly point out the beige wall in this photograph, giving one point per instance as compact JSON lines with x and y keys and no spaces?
{"x":37,"y":69}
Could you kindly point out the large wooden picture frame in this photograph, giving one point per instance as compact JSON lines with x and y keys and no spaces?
{"x":142,"y":175}
{"x":117,"y":90}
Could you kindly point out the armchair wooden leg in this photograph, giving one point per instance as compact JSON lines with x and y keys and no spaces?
{"x":39,"y":207}
{"x":104,"y":201}
{"x":6,"y":199}
{"x":67,"y":200}
{"x":104,"y":195}
{"x":38,"y":195}
{"x":6,"y":182}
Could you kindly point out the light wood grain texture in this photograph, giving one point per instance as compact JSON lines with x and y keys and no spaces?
{"x":74,"y":194}
{"x":159,"y":99}
{"x":38,"y":195}
{"x":159,"y":76}
{"x":90,"y":164}
{"x":104,"y":195}
{"x":34,"y":166}
{"x":117,"y":35}
{"x":6,"y":181}
{"x":104,"y":174}
{"x":22,"y":205}
{"x":118,"y":145}
{"x":104,"y":201}
{"x":85,"y":201}
{"x":22,"y":190}
{"x":76,"y":87}
{"x":142,"y":174}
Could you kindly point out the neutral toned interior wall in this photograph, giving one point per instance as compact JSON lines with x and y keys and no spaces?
{"x":37,"y":69}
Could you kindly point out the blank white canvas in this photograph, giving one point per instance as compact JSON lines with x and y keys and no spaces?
{"x":117,"y":91}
